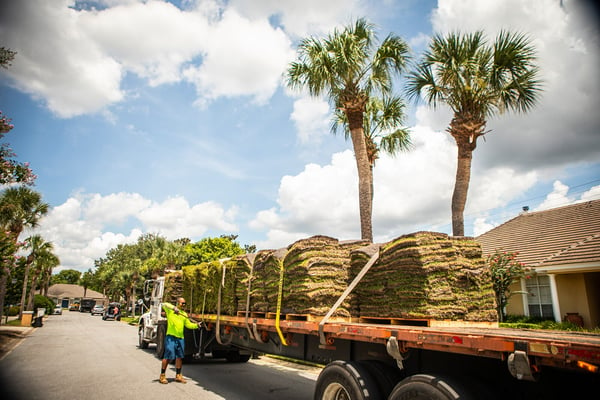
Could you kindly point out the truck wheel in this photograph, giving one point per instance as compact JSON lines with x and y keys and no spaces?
{"x":160,"y":341}
{"x":346,"y":380}
{"x":428,"y":387}
{"x":386,"y":376}
{"x":141,"y":342}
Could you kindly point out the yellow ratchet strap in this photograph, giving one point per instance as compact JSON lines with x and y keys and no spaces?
{"x":279,"y":298}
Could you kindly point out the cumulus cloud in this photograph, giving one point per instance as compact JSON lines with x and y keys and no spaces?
{"x":235,"y":64}
{"x":74,"y":57}
{"x":83,"y":228}
{"x":311,"y":117}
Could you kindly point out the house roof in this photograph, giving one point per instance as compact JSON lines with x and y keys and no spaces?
{"x":561,"y":236}
{"x":62,"y":290}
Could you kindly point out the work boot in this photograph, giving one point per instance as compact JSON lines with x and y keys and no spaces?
{"x":163,"y":379}
{"x":179,"y":378}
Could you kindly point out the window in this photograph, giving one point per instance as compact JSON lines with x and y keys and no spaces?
{"x":540,"y":297}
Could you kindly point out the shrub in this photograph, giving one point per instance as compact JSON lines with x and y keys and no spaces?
{"x":40,"y":301}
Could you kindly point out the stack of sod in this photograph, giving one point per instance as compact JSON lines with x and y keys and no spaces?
{"x":173,"y":286}
{"x":201,"y":286}
{"x":427,"y":275}
{"x":358,"y":259}
{"x":259,"y":297}
{"x":243,"y":267}
{"x":316,"y":274}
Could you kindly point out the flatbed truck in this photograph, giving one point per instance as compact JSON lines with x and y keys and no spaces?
{"x":389,"y":358}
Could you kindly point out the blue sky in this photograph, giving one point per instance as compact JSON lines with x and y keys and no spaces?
{"x":173,"y":118}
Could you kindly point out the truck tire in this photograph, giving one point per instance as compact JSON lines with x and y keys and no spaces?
{"x":429,"y":387}
{"x":346,"y":380}
{"x":141,"y":342}
{"x":160,"y":340}
{"x":386,"y":376}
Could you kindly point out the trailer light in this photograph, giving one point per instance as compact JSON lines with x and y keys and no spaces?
{"x":587,"y":366}
{"x":457,"y":340}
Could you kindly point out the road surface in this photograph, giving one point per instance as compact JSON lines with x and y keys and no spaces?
{"x":79,"y":356}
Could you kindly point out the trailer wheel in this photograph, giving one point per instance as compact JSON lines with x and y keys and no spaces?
{"x":428,"y":387}
{"x":342,"y":380}
{"x":141,"y":342}
{"x":160,"y":340}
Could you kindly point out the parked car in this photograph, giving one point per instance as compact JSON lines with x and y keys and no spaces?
{"x":74,"y":307}
{"x":57,"y":310}
{"x":97,"y":309}
{"x":113,"y":311}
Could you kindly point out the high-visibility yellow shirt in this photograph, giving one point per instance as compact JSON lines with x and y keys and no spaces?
{"x":176,"y":322}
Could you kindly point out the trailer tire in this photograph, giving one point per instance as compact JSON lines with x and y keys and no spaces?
{"x":160,"y":340}
{"x":429,"y":387}
{"x":346,"y":379}
{"x":141,"y":342}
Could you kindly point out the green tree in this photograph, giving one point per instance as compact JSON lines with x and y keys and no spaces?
{"x":44,"y":263}
{"x":505,"y":269}
{"x":213,"y":249}
{"x":69,"y":276}
{"x":349,"y":68}
{"x":476,"y":81}
{"x":20,"y":207}
{"x":11,"y":171}
{"x":86,"y":280}
{"x":36,"y":246}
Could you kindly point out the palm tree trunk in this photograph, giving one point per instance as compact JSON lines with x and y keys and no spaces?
{"x":34,"y":280}
{"x":461,"y":188}
{"x":24,"y":291}
{"x":365,"y":177}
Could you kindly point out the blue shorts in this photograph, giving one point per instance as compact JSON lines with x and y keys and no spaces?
{"x":173,"y":348}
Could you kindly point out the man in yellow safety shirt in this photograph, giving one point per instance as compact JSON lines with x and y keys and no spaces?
{"x":177,"y":320}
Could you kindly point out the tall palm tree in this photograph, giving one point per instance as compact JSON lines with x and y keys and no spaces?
{"x":44,"y":261}
{"x":383,"y":128}
{"x":20,"y":207}
{"x":36,"y":246}
{"x":349,"y":68}
{"x":476,"y":81}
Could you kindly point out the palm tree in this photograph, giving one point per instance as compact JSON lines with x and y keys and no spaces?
{"x":349,"y":68}
{"x":20,"y":207}
{"x":383,"y":120}
{"x":476,"y":81}
{"x":44,"y":261}
{"x":37,"y":247}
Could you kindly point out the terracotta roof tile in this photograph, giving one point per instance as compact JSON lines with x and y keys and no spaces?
{"x":564,"y":235}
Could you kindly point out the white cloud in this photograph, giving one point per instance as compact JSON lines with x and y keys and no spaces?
{"x":244,"y":58}
{"x":560,"y":197}
{"x":301,"y":18}
{"x":311,"y":117}
{"x":56,"y":62}
{"x":81,"y":228}
{"x":135,"y":35}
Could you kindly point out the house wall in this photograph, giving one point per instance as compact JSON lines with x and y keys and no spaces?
{"x":515,"y":304}
{"x":592,"y":284}
{"x":573,"y":296}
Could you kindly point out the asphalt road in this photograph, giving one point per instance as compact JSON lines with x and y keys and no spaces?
{"x":79,"y":356}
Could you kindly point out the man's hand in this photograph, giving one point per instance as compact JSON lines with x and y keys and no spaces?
{"x":176,"y":310}
{"x":201,"y":324}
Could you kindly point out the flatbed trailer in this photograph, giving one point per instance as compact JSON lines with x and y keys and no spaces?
{"x":383,"y":358}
